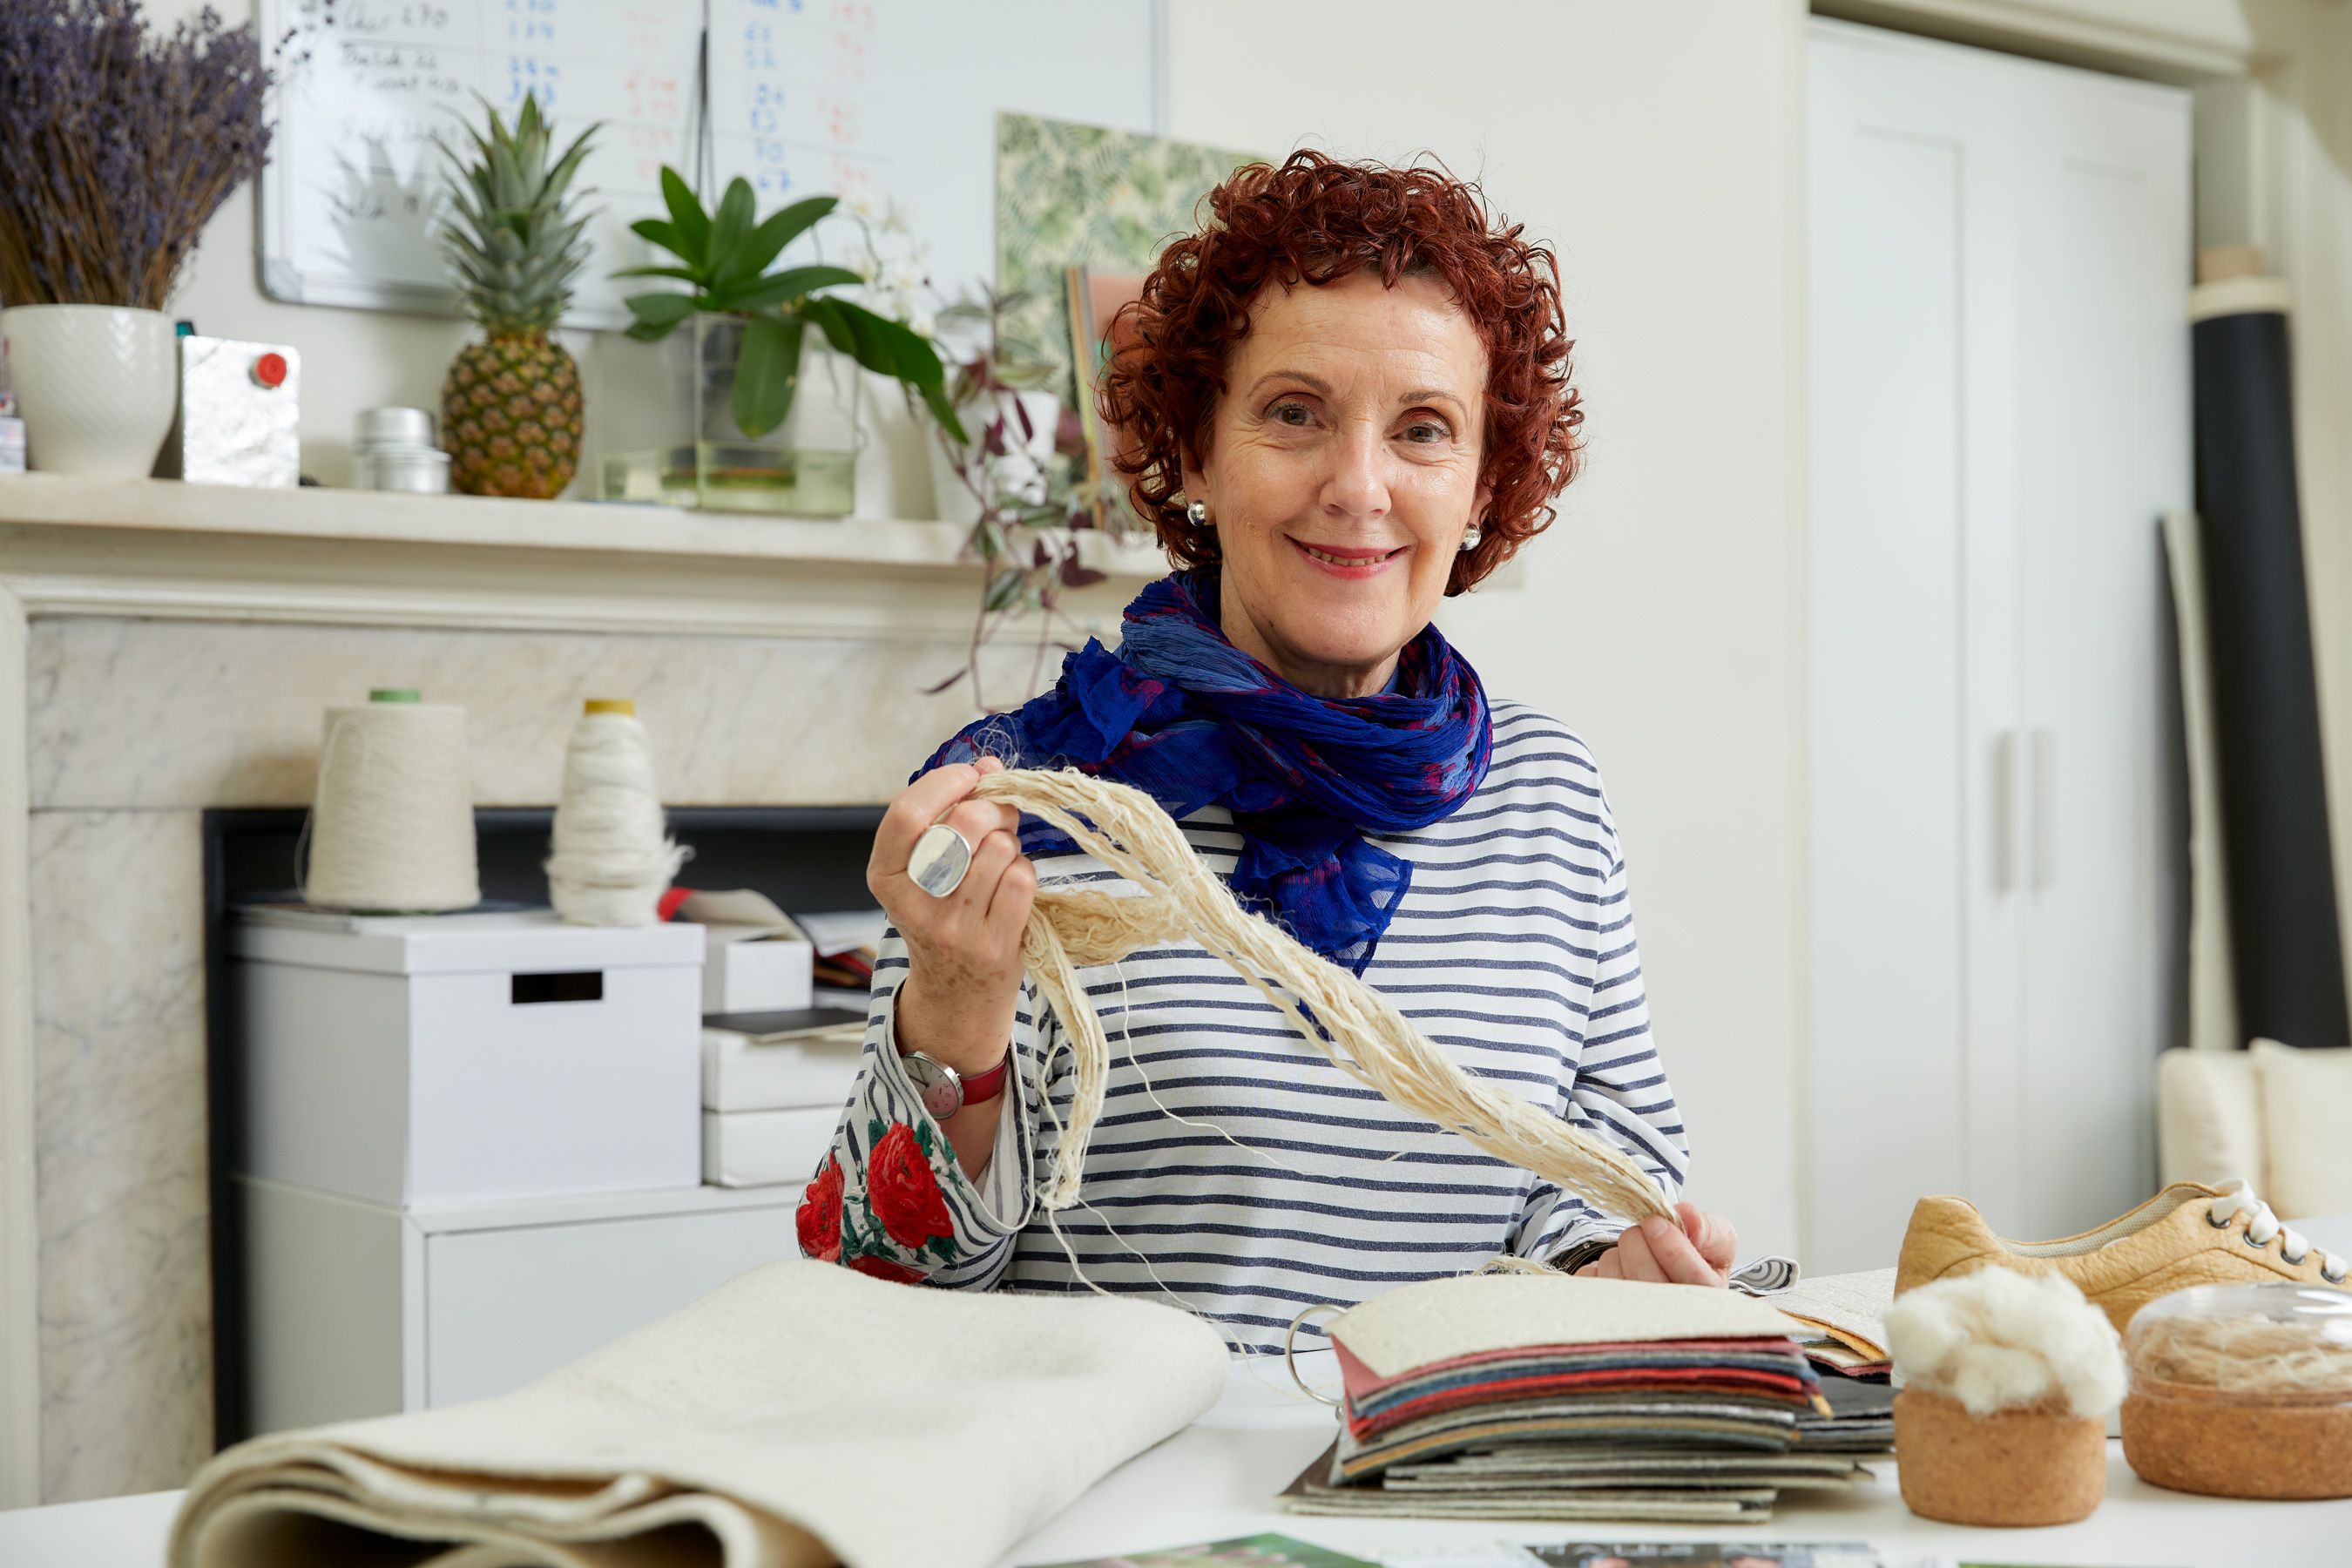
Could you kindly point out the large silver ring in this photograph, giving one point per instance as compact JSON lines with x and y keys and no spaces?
{"x":940,"y":858}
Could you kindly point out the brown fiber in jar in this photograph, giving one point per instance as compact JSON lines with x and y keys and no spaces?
{"x":2240,"y":1408}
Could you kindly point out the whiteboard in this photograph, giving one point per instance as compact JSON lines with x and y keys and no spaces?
{"x":894,"y":97}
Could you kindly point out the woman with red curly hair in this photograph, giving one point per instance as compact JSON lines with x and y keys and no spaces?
{"x":1345,"y":397}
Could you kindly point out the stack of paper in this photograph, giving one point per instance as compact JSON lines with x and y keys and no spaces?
{"x":1844,"y":1318}
{"x":1525,"y":1397}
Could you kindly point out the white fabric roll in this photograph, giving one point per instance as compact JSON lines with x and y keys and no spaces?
{"x":799,"y":1414}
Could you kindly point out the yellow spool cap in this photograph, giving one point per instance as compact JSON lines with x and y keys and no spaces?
{"x":611,"y":705}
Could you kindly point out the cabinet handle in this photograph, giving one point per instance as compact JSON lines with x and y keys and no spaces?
{"x":2044,"y":765}
{"x":2004,"y":812}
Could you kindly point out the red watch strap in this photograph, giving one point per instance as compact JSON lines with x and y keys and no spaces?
{"x":986,"y":1086}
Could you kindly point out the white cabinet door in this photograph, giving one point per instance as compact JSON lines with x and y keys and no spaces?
{"x":504,"y":1306}
{"x":1998,"y":253}
{"x":1889,"y":167}
{"x":2103,"y":450}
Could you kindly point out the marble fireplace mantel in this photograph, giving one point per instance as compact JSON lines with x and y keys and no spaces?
{"x":89,"y":569}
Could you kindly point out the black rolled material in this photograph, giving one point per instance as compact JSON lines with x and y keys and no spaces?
{"x":2287,"y":951}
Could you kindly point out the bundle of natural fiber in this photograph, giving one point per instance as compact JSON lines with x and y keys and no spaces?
{"x":1351,"y":1024}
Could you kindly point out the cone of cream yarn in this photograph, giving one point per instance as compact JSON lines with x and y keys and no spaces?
{"x":612,"y":854}
{"x":392,"y":825}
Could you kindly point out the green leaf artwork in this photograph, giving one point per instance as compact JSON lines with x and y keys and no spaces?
{"x":1080,"y":195}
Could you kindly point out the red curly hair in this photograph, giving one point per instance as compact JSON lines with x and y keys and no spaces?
{"x":1314,"y":220}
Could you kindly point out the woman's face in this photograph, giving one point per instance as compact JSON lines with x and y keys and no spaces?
{"x":1342,"y":468}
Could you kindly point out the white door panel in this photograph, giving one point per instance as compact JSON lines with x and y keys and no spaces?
{"x":1886,"y":769}
{"x":1998,"y":413}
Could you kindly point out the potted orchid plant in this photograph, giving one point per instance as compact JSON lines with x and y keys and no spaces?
{"x":763,"y":336}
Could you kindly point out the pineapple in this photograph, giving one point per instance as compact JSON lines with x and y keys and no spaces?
{"x":510,"y":403}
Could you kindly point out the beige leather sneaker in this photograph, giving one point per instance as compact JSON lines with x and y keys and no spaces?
{"x":2188,"y":1234}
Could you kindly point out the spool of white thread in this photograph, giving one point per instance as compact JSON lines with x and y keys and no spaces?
{"x":612,"y":854}
{"x":392,"y":825}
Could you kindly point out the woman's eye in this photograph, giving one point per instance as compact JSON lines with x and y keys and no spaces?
{"x":1426,"y":431}
{"x":1297,"y":414}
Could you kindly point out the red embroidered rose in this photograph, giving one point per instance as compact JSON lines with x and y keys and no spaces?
{"x":883,"y":1268}
{"x":902,"y":1192}
{"x":819,"y":1220}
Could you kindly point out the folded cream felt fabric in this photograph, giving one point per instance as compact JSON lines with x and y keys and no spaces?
{"x":1438,"y":1319}
{"x":799,"y":1414}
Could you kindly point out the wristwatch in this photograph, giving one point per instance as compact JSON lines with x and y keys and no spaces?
{"x":1570,"y":1260}
{"x":944,"y":1091}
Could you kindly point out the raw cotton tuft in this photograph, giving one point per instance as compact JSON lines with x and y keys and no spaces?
{"x":1996,"y":1339}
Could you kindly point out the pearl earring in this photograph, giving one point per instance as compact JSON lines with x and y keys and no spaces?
{"x":1197,"y":514}
{"x":1471,"y":536}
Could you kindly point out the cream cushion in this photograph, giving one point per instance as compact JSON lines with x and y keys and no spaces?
{"x":2210,"y":1118}
{"x":2306,"y":1108}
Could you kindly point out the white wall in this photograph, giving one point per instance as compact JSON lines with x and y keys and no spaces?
{"x":1659,"y":148}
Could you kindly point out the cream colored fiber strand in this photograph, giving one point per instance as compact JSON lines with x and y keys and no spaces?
{"x":1368,"y":1039}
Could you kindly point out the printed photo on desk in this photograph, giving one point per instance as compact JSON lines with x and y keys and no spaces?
{"x":1242,"y":1551}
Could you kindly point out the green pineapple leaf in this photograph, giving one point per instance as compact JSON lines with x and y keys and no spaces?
{"x":766,"y":372}
{"x":691,"y":225}
{"x":514,"y":235}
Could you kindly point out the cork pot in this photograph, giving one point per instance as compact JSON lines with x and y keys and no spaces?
{"x":2192,"y":1438}
{"x":2038,"y":1465}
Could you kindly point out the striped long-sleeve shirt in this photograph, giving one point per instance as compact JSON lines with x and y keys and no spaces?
{"x":1237,"y":1171}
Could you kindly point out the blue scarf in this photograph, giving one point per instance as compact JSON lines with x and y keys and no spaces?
{"x":1184,"y":715}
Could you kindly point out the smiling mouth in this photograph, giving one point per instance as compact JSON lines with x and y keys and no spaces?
{"x":1347,"y":557}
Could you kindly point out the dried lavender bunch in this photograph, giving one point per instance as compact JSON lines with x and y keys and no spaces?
{"x":120,"y":144}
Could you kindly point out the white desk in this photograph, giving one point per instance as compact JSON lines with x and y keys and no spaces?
{"x":1218,"y":1477}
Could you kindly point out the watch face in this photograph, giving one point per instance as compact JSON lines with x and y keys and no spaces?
{"x":941,"y":1090}
{"x":943,"y":1096}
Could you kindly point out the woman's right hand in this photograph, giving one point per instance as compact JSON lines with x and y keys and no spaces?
{"x":963,"y":951}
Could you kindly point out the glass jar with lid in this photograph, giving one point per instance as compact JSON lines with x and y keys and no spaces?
{"x":2243,"y":1391}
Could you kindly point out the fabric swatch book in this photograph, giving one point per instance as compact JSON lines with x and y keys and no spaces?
{"x":1523,"y":1396}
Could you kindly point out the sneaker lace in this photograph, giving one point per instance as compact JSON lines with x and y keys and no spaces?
{"x":2239,"y":1199}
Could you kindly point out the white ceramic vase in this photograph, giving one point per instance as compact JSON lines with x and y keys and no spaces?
{"x":1019,"y":474}
{"x":97,"y":386}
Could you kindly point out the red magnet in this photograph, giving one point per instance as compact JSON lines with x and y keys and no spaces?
{"x":270,"y":369}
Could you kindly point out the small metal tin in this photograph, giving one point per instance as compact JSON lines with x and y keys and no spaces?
{"x":417,"y":469}
{"x":399,"y":449}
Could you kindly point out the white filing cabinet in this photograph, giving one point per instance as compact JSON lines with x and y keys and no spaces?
{"x":358,"y":1309}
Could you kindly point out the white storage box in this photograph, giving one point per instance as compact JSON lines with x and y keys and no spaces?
{"x":745,"y":970}
{"x":766,"y":1148}
{"x":812,"y":1069}
{"x":430,"y":1060}
{"x":756,"y":960}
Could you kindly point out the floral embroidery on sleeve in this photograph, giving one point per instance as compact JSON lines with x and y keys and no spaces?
{"x":819,"y":1217}
{"x":902,"y":1227}
{"x":902,"y":1191}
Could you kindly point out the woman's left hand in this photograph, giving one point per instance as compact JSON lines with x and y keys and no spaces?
{"x":1699,"y":1252}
